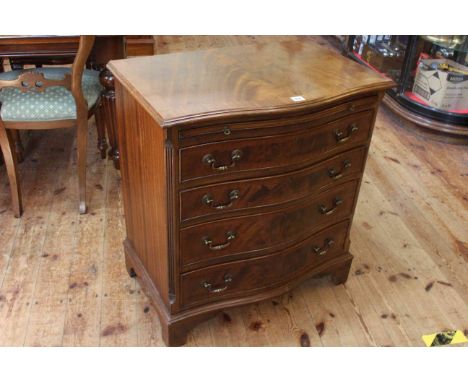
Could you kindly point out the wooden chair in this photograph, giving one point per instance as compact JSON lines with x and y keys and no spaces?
{"x":48,"y":98}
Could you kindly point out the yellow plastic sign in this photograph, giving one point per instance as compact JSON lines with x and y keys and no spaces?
{"x":450,"y":337}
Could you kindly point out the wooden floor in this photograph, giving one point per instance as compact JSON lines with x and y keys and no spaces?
{"x":63,"y":279}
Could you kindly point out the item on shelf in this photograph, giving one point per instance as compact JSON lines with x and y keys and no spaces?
{"x":383,"y":56}
{"x":442,"y":84}
{"x":359,"y":43}
{"x":444,"y":53}
{"x":446,"y":67}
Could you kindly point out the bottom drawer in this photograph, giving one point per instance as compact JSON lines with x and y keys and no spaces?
{"x":247,"y":276}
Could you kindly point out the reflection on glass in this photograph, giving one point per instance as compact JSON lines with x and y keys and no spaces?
{"x":450,"y":42}
{"x":434,"y":76}
{"x":384,"y":54}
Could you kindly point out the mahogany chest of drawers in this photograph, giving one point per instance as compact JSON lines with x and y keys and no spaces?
{"x":241,"y":169}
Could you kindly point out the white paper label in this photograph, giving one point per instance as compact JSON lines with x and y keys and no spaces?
{"x":297,"y":98}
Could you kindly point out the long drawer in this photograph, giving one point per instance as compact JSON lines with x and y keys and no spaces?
{"x":252,"y":235}
{"x":303,"y":147}
{"x":192,"y":136}
{"x":248,"y":276}
{"x":213,"y":200}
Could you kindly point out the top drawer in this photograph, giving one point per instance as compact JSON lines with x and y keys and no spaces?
{"x":193,"y":136}
{"x":305,"y":146}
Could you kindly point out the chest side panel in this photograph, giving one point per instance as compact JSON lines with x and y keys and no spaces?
{"x":144,"y":187}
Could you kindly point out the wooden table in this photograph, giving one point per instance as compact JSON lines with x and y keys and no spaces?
{"x":53,"y":49}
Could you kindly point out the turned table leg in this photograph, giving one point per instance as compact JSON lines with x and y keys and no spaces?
{"x":101,"y":131}
{"x":108,"y":110}
{"x":19,"y":149}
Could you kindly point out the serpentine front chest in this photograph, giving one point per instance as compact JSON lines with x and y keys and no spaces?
{"x":241,"y":169}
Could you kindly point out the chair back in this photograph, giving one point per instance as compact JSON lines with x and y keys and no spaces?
{"x":84,"y":49}
{"x":36,"y":82}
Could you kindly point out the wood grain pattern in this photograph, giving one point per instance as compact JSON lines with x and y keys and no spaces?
{"x":139,"y":45}
{"x":56,"y":49}
{"x":262,"y":272}
{"x":268,"y":190}
{"x":271,"y":151}
{"x":13,"y":46}
{"x":239,"y":81}
{"x":264,"y":231}
{"x":191,"y":135}
{"x":413,"y":191}
{"x":147,"y":233}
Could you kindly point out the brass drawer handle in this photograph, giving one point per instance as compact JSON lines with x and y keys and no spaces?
{"x":217,"y":289}
{"x":328,"y":211}
{"x":334,"y":174}
{"x":209,"y":160}
{"x":209,"y":200}
{"x":230,"y":236}
{"x":340,"y":137}
{"x":326,"y":246}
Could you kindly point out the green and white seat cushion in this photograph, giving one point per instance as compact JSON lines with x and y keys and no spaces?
{"x":54,"y":103}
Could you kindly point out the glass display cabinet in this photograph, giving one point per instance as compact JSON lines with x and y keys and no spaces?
{"x":431,"y":74}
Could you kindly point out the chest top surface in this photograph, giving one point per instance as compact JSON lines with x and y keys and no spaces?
{"x":250,"y":79}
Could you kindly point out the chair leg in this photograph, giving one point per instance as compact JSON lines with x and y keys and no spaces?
{"x":6,"y":144}
{"x":82,"y":143}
